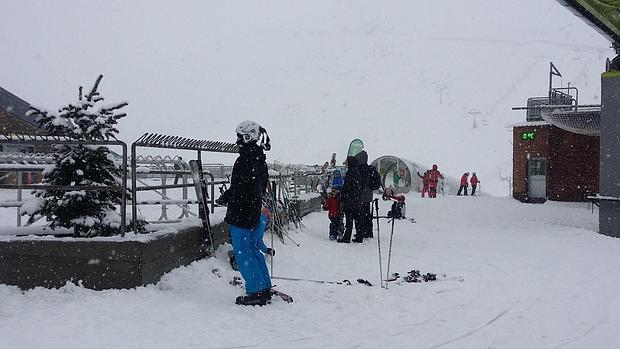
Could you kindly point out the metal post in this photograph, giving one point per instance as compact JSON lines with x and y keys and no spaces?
{"x":164,"y":207}
{"x":19,"y":198}
{"x":124,"y":190}
{"x":185,"y":207}
{"x":134,"y":192}
{"x":609,"y":209}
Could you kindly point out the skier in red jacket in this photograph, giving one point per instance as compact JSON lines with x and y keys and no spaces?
{"x":433,"y":178}
{"x":474,"y":183}
{"x":464,"y":184}
{"x":332,"y":205}
{"x":424,"y":182}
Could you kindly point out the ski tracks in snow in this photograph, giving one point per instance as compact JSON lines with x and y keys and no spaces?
{"x":575,"y":339}
{"x":472,"y":332}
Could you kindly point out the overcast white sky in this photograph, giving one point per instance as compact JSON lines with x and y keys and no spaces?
{"x":315,"y":73}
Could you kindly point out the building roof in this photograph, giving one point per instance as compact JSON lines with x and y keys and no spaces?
{"x":12,"y":104}
{"x":529,"y":123}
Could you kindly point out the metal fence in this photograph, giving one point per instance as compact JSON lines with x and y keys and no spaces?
{"x":24,"y":172}
{"x":58,"y":140}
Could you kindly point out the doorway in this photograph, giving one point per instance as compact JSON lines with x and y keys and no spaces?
{"x":537,"y":178}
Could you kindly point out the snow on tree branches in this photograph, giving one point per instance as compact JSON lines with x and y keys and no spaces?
{"x":88,"y":212}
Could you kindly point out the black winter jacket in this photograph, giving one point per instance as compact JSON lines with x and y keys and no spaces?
{"x":351,"y":193}
{"x":248,"y":183}
{"x":369,"y":177}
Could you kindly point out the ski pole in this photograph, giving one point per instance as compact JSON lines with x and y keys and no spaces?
{"x":275,"y":211}
{"x":379,"y":242}
{"x":389,"y":254}
{"x":290,"y":238}
{"x":343,"y":282}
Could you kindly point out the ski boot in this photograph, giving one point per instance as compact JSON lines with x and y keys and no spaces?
{"x":259,"y":298}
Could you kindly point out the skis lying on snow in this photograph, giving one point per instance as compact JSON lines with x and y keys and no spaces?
{"x":413,"y":276}
{"x":285,"y":297}
{"x":237,"y":281}
{"x":343,"y":282}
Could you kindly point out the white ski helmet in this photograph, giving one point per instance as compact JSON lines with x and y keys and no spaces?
{"x":250,"y":131}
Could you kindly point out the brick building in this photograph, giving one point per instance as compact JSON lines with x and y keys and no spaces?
{"x":552,"y":164}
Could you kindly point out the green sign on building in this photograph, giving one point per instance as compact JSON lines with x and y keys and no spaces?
{"x":528,"y":135}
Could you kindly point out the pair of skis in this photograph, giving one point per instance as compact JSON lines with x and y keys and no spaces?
{"x":202,"y":196}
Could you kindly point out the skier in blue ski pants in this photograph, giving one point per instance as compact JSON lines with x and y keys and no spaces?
{"x":249,"y":247}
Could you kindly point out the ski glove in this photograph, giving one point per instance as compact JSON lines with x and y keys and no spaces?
{"x":271,"y":252}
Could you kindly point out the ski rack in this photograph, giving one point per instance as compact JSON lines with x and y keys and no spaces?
{"x":157,"y":140}
{"x":20,"y":138}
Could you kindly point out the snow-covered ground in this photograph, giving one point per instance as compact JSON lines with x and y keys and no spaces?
{"x":535,"y":276}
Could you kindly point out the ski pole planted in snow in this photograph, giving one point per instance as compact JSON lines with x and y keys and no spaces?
{"x":273,"y":217}
{"x":379,"y":242}
{"x":389,"y":254}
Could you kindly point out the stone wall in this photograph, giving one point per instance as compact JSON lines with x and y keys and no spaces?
{"x":102,"y":264}
{"x":97,"y":264}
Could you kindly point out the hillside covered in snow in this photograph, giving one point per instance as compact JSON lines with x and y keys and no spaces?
{"x":409,"y":78}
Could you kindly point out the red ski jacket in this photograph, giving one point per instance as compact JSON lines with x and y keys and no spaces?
{"x":333,"y":206}
{"x":474,"y":180}
{"x":424,"y":178}
{"x":433,"y":177}
{"x":464,"y":179}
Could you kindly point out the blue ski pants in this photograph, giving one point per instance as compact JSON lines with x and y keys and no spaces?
{"x":248,"y":247}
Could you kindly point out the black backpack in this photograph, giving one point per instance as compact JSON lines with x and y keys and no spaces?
{"x":397,"y":211}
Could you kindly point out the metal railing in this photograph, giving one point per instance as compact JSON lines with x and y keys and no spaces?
{"x":154,"y":140}
{"x":290,"y":184}
{"x":59,"y":140}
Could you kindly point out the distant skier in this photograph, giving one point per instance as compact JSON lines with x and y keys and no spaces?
{"x":243,"y":198}
{"x":433,"y":179}
{"x":424,"y":182}
{"x":474,"y":183}
{"x":396,"y":179}
{"x":337,"y":179}
{"x":178,"y":166}
{"x":332,"y":205}
{"x":463,"y":187}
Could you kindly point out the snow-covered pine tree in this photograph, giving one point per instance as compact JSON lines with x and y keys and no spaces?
{"x":89,"y":213}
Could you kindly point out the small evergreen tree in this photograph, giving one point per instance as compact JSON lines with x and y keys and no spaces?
{"x":89,"y":213}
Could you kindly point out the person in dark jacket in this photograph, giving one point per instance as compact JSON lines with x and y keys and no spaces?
{"x":243,"y":199}
{"x":370,"y":180}
{"x":351,"y":201}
